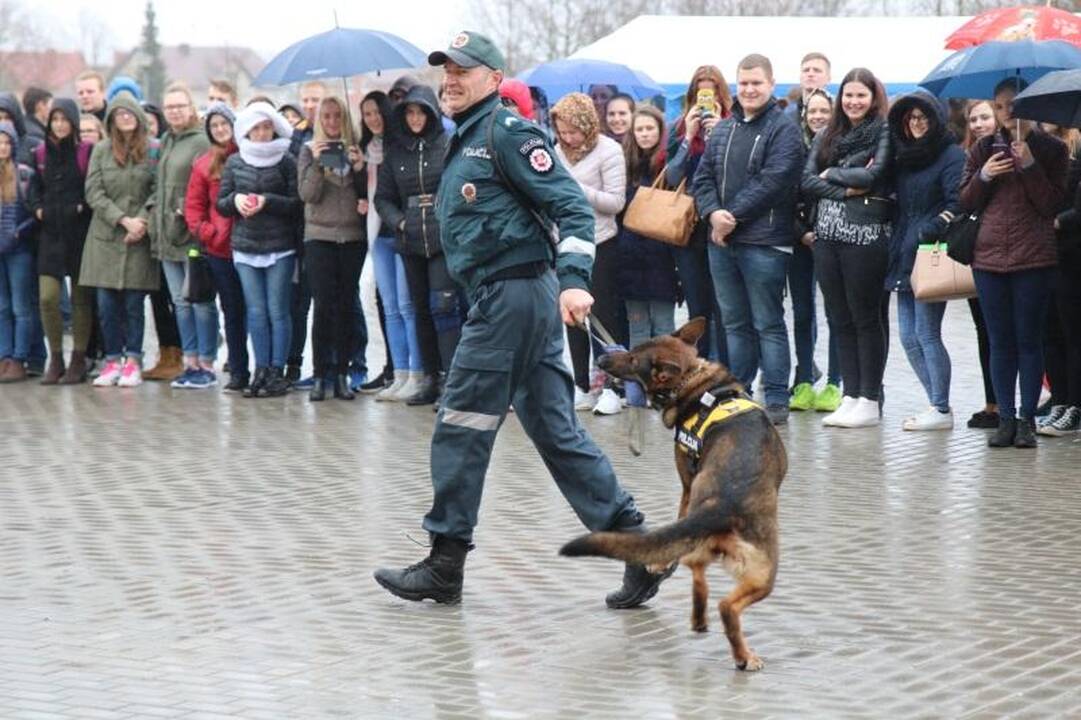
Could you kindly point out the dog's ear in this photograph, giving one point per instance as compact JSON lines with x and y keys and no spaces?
{"x":691,"y":331}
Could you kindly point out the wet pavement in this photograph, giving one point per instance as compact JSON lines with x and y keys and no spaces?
{"x":196,"y":555}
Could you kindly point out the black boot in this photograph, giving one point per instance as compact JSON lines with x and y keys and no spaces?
{"x":276,"y":385}
{"x":428,"y":393}
{"x":318,"y":392}
{"x":383,"y":380}
{"x":342,"y":391}
{"x":1026,"y":433}
{"x":1005,"y":434}
{"x":238,"y":382}
{"x":639,"y":584}
{"x":438,"y":577}
{"x":258,"y":383}
{"x":292,"y":373}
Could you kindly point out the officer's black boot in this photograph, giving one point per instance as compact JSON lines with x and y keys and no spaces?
{"x":437,"y":577}
{"x":639,"y":584}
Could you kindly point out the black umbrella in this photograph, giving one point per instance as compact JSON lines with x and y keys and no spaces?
{"x":1054,"y":98}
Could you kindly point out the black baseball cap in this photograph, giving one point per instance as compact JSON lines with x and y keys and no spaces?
{"x":470,"y":49}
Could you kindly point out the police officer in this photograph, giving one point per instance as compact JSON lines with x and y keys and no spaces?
{"x":501,"y":184}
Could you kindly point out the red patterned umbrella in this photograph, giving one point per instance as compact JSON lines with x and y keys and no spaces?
{"x":1017,"y":23}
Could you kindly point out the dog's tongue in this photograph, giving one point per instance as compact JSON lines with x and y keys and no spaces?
{"x":636,"y":406}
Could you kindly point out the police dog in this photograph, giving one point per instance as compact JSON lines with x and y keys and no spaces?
{"x":728,"y":510}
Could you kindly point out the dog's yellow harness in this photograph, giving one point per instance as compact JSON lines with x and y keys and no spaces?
{"x":691,"y":434}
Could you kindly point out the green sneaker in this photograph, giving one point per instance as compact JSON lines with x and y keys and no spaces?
{"x":803,"y":397}
{"x":828,"y":400}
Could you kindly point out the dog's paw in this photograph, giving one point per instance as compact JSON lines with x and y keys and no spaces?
{"x":700,"y":627}
{"x":752,"y":664}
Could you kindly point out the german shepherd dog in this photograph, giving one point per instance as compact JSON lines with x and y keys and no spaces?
{"x":728,"y":510}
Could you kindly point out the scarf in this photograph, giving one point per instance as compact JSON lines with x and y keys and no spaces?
{"x":918,"y":154}
{"x":577,"y":110}
{"x":862,"y":137}
{"x":263,"y":154}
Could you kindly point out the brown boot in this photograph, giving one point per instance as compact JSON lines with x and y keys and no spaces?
{"x":14,"y":371}
{"x":170,"y":365}
{"x":76,"y":372}
{"x":54,"y":371}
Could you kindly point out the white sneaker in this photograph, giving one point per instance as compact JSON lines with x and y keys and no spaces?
{"x":1068,"y":423}
{"x":413,"y":382}
{"x":1057,"y":411}
{"x":583,"y":400}
{"x":835,"y":418}
{"x":608,"y":403}
{"x":930,"y":419}
{"x":110,"y":374}
{"x":392,"y":392}
{"x":864,"y":414}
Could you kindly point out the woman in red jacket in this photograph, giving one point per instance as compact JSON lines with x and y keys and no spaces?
{"x":1016,"y":179}
{"x":214,"y":231}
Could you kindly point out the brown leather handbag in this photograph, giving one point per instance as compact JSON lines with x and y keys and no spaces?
{"x":659,"y":214}
{"x":936,"y":277}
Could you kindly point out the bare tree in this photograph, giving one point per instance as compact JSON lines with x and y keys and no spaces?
{"x":96,"y":37}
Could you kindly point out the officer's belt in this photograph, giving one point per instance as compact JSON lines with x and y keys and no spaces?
{"x":420,"y":201}
{"x":713,"y":411}
{"x":525,"y":271}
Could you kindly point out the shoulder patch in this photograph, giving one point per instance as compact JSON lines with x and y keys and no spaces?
{"x":533,"y":142}
{"x":540,"y":160}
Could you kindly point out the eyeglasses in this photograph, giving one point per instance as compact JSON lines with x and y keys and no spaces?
{"x":917,"y":118}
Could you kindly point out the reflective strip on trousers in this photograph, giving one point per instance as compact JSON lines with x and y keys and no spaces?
{"x":472,"y":420}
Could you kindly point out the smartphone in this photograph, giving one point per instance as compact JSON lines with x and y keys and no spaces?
{"x":706,"y":101}
{"x":999,"y":145}
{"x":333,"y":155}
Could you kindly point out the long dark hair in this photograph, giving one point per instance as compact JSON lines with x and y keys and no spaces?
{"x":839,"y":122}
{"x":382,"y":102}
{"x":636,"y":157}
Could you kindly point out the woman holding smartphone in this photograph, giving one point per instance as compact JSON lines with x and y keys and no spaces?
{"x":1016,"y":179}
{"x":333,"y":186}
{"x":686,"y":145}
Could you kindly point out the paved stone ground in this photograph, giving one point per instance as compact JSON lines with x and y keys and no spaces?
{"x":193,"y":555}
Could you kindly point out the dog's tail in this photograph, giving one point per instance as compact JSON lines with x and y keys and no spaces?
{"x":660,"y":547}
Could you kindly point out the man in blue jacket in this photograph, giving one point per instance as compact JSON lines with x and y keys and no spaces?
{"x":746,"y":188}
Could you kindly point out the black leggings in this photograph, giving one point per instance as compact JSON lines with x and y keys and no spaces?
{"x":984,"y":345}
{"x":436,"y":302}
{"x":1062,"y":337}
{"x":607,"y":303}
{"x":333,"y":275}
{"x":161,"y":302}
{"x":852,"y":278}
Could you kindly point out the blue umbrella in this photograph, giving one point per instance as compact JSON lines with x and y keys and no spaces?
{"x":975,"y":71}
{"x":340,"y":53}
{"x":559,"y":77}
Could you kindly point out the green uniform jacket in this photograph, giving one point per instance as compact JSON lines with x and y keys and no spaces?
{"x":170,"y":238}
{"x":114,"y":191}
{"x":484,"y":226}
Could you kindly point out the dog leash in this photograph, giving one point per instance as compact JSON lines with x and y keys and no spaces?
{"x":636,"y":396}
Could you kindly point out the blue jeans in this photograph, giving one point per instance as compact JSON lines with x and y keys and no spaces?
{"x":649,"y":319}
{"x":122,"y":318}
{"x":750,"y":282}
{"x":267,"y":296}
{"x":197,"y":322}
{"x":1014,"y":307}
{"x":692,"y":265}
{"x":227,"y":283}
{"x":17,"y":283}
{"x":401,"y":321}
{"x":920,"y":326}
{"x":803,"y":290}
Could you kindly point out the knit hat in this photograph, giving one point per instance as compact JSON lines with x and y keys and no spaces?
{"x":518,"y":93}
{"x":218,"y":108}
{"x":256,"y":113}
{"x":123,"y":82}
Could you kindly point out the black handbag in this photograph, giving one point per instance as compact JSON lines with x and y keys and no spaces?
{"x":198,"y":282}
{"x":960,"y":237}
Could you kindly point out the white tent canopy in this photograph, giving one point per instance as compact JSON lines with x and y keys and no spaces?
{"x":899,"y":50}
